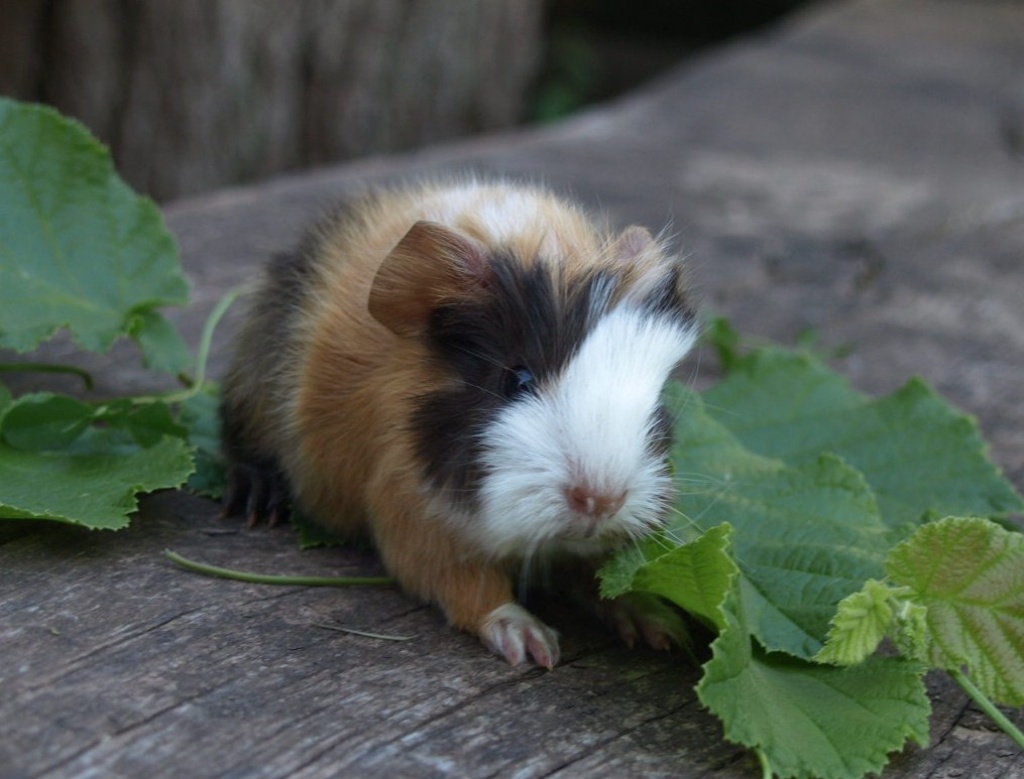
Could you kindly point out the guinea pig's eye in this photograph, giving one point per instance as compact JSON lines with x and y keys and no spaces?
{"x":518,"y":380}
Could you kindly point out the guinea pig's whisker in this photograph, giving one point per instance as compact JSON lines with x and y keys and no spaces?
{"x":635,"y":541}
{"x":733,"y":413}
{"x":673,"y":540}
{"x":706,"y":509}
{"x":664,"y":540}
{"x":667,"y":539}
{"x":695,"y":479}
{"x":482,"y":357}
{"x":690,"y":380}
{"x":687,"y":519}
{"x":483,"y":389}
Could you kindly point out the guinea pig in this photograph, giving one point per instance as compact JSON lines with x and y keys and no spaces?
{"x":471,"y":373}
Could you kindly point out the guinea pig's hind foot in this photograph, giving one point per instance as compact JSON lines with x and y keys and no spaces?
{"x":515,"y":634}
{"x":257,"y":491}
{"x":642,"y":614}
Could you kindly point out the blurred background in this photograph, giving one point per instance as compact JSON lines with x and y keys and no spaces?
{"x":192,"y":95}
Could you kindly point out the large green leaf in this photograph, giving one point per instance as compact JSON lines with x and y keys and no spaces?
{"x":969,"y":574}
{"x":812,"y":720}
{"x":918,"y":454}
{"x":93,"y":484}
{"x":778,"y":541}
{"x":78,"y":248}
{"x":93,"y":480}
{"x":806,"y":719}
{"x":805,"y":537}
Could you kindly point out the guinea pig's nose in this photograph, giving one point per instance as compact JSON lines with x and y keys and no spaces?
{"x":594,"y":502}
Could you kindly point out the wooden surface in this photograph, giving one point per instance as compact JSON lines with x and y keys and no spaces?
{"x":860,"y":171}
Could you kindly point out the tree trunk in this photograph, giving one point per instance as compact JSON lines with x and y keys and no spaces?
{"x":194,"y":94}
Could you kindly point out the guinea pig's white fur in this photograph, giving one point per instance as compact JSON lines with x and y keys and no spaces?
{"x":470,"y":372}
{"x":590,"y":426}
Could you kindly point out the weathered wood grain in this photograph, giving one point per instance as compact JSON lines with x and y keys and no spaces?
{"x":195,"y":94}
{"x":855,"y":172}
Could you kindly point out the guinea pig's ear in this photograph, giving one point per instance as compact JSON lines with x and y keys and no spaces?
{"x":430,"y":264}
{"x":633,"y":244}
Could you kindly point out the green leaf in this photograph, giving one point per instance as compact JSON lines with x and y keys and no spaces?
{"x":209,"y":477}
{"x":869,"y":615}
{"x":773,"y":387}
{"x":163,"y":348}
{"x":804,"y":538}
{"x":919,"y":455}
{"x":44,"y":421}
{"x":78,"y":248}
{"x":863,"y":620}
{"x":969,"y":574}
{"x":616,"y":575}
{"x":146,"y":422}
{"x":696,"y":576}
{"x":200,"y":416}
{"x":720,"y":334}
{"x":93,"y":483}
{"x":791,"y":458}
{"x":814,"y":720}
{"x":808,"y":719}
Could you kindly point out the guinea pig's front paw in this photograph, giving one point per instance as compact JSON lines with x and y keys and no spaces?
{"x":259,"y":491}
{"x":514,"y":633}
{"x":644,"y":614}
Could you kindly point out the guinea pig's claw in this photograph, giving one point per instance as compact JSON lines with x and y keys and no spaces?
{"x":256,"y":492}
{"x":515,"y":634}
{"x":644,"y":614}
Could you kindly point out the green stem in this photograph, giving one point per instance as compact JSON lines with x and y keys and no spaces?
{"x":988,"y":706}
{"x":766,"y":766}
{"x":210,"y":326}
{"x":257,"y":578}
{"x":205,"y":342}
{"x":177,"y":396}
{"x":45,"y":367}
{"x":202,"y":353}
